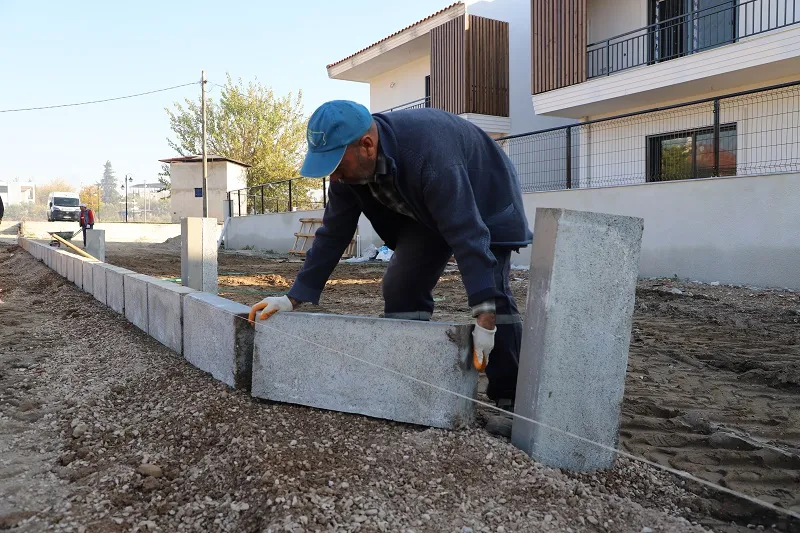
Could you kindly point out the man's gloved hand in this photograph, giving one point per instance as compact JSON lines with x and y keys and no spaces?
{"x":270,"y":306}
{"x":483,"y":343}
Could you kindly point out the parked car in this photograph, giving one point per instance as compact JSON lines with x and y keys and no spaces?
{"x":63,"y":206}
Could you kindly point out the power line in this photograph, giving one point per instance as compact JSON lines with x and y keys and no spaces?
{"x":98,"y":101}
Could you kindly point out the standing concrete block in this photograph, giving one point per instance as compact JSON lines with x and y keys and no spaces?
{"x":115,"y":286}
{"x":96,"y":243}
{"x":290,"y":365}
{"x":199,"y":253}
{"x":218,"y":339}
{"x":165,"y":312}
{"x":574,"y":351}
{"x":88,"y":275}
{"x":62,"y":259}
{"x":135,"y":289}
{"x":72,"y":268}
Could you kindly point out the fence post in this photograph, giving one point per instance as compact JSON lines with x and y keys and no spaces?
{"x":716,"y":137}
{"x":324,"y":193}
{"x":569,"y":157}
{"x":239,"y":202}
{"x":290,"y":195}
{"x":263,"y":209}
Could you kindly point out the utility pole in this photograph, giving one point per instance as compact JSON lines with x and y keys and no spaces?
{"x":205,"y":157}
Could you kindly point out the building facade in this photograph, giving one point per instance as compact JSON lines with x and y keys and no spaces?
{"x":186,"y":185}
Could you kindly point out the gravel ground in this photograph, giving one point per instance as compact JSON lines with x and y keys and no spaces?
{"x":104,"y":429}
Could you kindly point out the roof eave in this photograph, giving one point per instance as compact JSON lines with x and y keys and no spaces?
{"x":339,"y":70}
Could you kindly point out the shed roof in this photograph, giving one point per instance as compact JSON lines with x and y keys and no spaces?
{"x":199,"y":159}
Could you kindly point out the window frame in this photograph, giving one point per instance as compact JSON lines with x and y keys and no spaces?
{"x":653,"y":148}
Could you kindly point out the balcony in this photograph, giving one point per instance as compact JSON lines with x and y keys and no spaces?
{"x":682,"y":55}
{"x":689,"y":33}
{"x":414,"y":104}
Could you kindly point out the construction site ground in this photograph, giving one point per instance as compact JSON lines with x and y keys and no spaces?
{"x":104,"y":429}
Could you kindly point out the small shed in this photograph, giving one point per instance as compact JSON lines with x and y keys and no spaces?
{"x":186,"y":184}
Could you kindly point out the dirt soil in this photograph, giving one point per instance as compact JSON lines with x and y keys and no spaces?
{"x":104,"y":429}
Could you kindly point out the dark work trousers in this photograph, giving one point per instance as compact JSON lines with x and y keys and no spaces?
{"x":88,"y":226}
{"x":420,"y":257}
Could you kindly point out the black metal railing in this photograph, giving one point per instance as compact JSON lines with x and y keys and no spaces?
{"x":294,"y":194}
{"x":739,"y":134}
{"x":676,"y":34}
{"x":414,"y":104}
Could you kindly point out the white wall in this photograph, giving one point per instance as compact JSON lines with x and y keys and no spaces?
{"x":731,"y":230}
{"x":608,"y":18}
{"x":409,"y":85}
{"x":767,"y":137}
{"x":115,"y":231}
{"x":275,"y":231}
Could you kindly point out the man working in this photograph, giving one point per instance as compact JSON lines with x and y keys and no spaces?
{"x":433,"y":185}
{"x":86,"y":220}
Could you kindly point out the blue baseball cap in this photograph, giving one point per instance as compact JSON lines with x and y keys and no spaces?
{"x":331,"y":128}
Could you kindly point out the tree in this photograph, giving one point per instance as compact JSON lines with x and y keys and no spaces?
{"x":43,"y":191}
{"x":111,"y":194}
{"x":250,"y":124}
{"x":90,"y":195}
{"x":163,"y":178}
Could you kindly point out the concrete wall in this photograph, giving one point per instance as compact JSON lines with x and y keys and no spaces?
{"x":115,"y":231}
{"x":409,"y":85}
{"x":732,"y":230}
{"x":276,"y":231}
{"x":223,"y":176}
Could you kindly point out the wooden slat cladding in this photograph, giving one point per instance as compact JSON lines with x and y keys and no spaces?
{"x":487,"y":66}
{"x":447,"y":66}
{"x":558,"y":44}
{"x":470,"y":66}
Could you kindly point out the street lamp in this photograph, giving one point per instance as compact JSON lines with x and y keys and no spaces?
{"x":125,"y":181}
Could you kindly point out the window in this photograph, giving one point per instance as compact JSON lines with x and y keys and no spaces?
{"x":3,"y":188}
{"x":428,"y":90}
{"x":680,"y":27}
{"x":198,"y":192}
{"x":690,"y":154}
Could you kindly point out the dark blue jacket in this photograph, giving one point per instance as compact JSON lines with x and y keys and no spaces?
{"x":456,"y":180}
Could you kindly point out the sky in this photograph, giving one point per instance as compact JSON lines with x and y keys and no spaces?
{"x":63,"y":52}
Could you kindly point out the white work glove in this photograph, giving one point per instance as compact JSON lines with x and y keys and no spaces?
{"x":483,"y":343}
{"x":270,"y":306}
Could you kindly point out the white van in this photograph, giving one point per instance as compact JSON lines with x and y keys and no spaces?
{"x":63,"y":206}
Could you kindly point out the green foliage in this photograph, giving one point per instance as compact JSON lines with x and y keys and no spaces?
{"x":251,"y":124}
{"x":27,"y":211}
{"x":111,"y":194}
{"x":43,"y":191}
{"x":163,"y":178}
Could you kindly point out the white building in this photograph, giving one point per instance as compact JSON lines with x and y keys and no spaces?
{"x":13,"y":192}
{"x":186,"y":184}
{"x":604,"y":58}
{"x":471,"y":60}
{"x":683,"y":112}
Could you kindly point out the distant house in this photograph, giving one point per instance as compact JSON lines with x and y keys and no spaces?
{"x":186,"y":189}
{"x":17,"y":193}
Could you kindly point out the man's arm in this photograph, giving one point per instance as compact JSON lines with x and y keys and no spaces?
{"x":339,"y":223}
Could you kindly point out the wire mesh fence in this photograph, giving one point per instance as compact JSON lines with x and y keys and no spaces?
{"x":754,"y":132}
